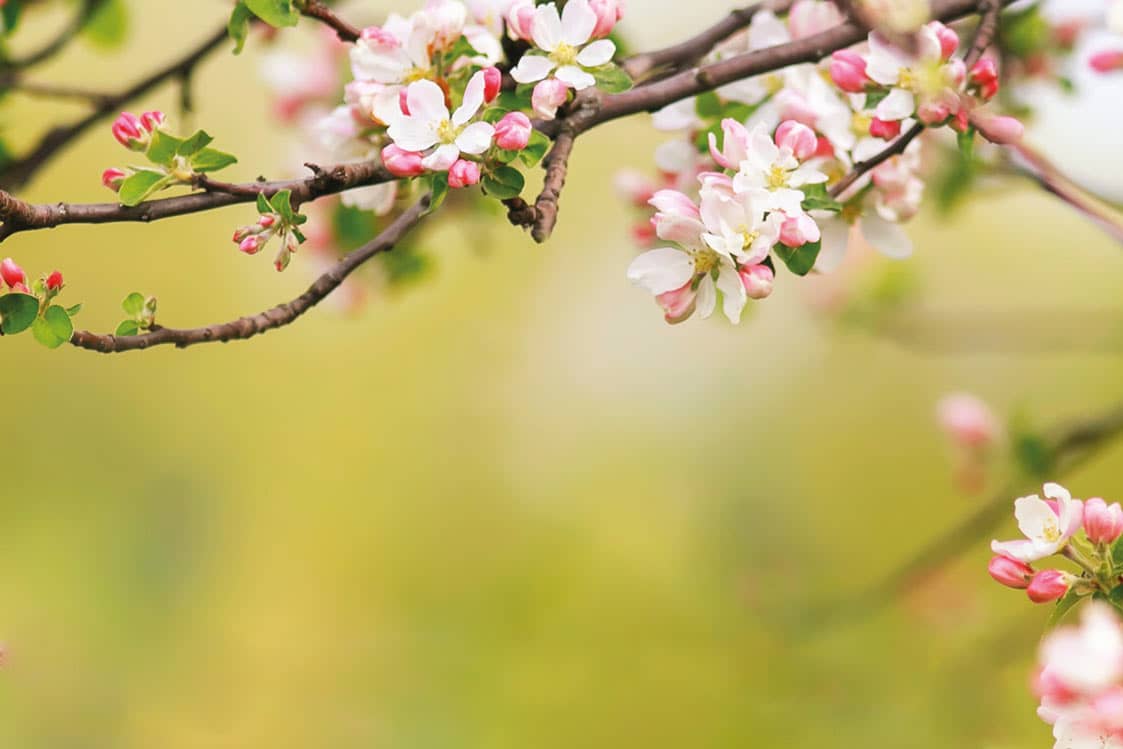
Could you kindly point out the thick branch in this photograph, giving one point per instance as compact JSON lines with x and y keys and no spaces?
{"x":276,"y":317}
{"x":18,"y":172}
{"x":18,"y":216}
{"x":316,"y":9}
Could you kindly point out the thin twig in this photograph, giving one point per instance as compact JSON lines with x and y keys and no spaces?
{"x":895,"y":148}
{"x":54,"y":90}
{"x":276,"y":317}
{"x":58,"y":43}
{"x":316,"y":9}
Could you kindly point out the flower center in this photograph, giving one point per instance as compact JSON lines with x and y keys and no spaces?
{"x":777,"y":178}
{"x":705,"y":260}
{"x":414,"y":74}
{"x":907,"y":79}
{"x":860,"y":124}
{"x":1051,"y":532}
{"x":748,"y":237}
{"x":447,"y":132}
{"x":565,"y":54}
{"x":851,"y":212}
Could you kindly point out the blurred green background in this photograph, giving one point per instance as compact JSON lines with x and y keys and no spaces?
{"x":509,"y":507}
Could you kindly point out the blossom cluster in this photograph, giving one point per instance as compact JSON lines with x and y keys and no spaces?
{"x":788,"y":139}
{"x":26,"y":304}
{"x":1080,"y":682}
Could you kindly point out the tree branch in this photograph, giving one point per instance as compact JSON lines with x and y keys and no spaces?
{"x":20,"y":171}
{"x":56,"y":44}
{"x":276,"y":317}
{"x":895,"y":148}
{"x":345,"y":31}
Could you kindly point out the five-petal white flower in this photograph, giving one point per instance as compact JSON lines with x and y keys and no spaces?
{"x":773,"y":174}
{"x":429,"y":124}
{"x":1047,"y":530}
{"x":564,"y":38}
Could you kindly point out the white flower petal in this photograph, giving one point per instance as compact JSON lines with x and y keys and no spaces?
{"x":661,"y":270}
{"x":733,"y":293}
{"x":836,"y":238}
{"x":575,"y":77}
{"x":707,"y":298}
{"x":532,"y":68}
{"x":413,"y":133}
{"x":1022,"y":550}
{"x":546,"y":29}
{"x":886,"y":237}
{"x":441,"y":159}
{"x":577,"y":22}
{"x":426,"y":101}
{"x":476,"y":138}
{"x":898,"y":105}
{"x":473,"y":100}
{"x":597,"y":53}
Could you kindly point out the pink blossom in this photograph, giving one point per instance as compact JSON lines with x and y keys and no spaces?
{"x":734,"y":145}
{"x":152,"y":120}
{"x":1048,"y":585}
{"x":113,"y":177}
{"x":463,"y":173}
{"x":885,"y":129}
{"x":129,"y":132}
{"x":984,"y":76}
{"x":548,"y":96}
{"x":967,"y":420}
{"x":12,"y":273}
{"x":1001,"y":129}
{"x":798,"y":137}
{"x":608,"y":13}
{"x":54,"y":282}
{"x":520,"y":19}
{"x":757,"y":280}
{"x":493,"y":81}
{"x":810,"y":17}
{"x":402,"y":163}
{"x":677,"y":304}
{"x":1103,"y":523}
{"x":251,"y":245}
{"x":949,"y":40}
{"x":848,"y":71}
{"x":1010,"y":572}
{"x":512,"y":133}
{"x":798,"y":230}
{"x":1106,"y":61}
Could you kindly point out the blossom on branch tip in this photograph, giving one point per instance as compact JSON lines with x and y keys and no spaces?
{"x":1047,"y":527}
{"x":548,"y":95}
{"x":11,"y":273}
{"x":402,"y":163}
{"x":608,"y":13}
{"x":1010,"y":572}
{"x":758,"y":281}
{"x":512,"y":133}
{"x":463,"y":174}
{"x":1049,"y":585}
{"x":113,"y":177}
{"x":848,"y":71}
{"x":430,"y":128}
{"x":130,"y":132}
{"x":968,"y":420}
{"x":1103,"y":523}
{"x":54,"y":282}
{"x":566,"y":40}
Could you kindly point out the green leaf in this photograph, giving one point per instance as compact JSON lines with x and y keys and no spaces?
{"x":274,"y":12}
{"x":816,"y":197}
{"x":1070,"y":599}
{"x":195,"y":143}
{"x":611,"y":78}
{"x":282,"y":205}
{"x":504,"y":183}
{"x":163,"y":148}
{"x":238,"y":27}
{"x":1032,"y":454}
{"x":133,"y":304}
{"x":1117,"y":553}
{"x":211,"y":160}
{"x":352,"y":227}
{"x":263,"y":206}
{"x":875,"y":97}
{"x":9,"y":16}
{"x":514,"y":101}
{"x":140,"y":185}
{"x":54,"y":328}
{"x":537,"y":147}
{"x":108,"y":26}
{"x":439,"y":189}
{"x":17,"y":312}
{"x":127,"y":327}
{"x":966,"y":141}
{"x":800,"y":260}
{"x":708,"y":106}
{"x":74,"y":310}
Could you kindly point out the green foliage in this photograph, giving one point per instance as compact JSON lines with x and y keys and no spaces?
{"x":816,"y":197}
{"x":504,"y":183}
{"x":53,"y":328}
{"x":141,"y":184}
{"x":1064,"y":605}
{"x":277,"y":13}
{"x":1031,"y":451}
{"x":1022,"y":33}
{"x":800,"y":260}
{"x":611,"y":78}
{"x":238,"y":27}
{"x":352,"y":227}
{"x":163,"y":147}
{"x":17,"y":312}
{"x":194,"y":144}
{"x":535,"y":149}
{"x":141,"y":313}
{"x":211,"y":160}
{"x":9,"y":16}
{"x":108,"y":25}
{"x":438,"y":189}
{"x":875,"y":97}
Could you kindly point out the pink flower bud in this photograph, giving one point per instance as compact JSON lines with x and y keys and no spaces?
{"x":1103,"y":523}
{"x":1048,"y":585}
{"x":127,"y":129}
{"x":251,"y":245}
{"x":824,"y":148}
{"x":949,"y":40}
{"x":493,"y":82}
{"x":403,"y":101}
{"x":520,"y":19}
{"x":463,"y":173}
{"x":984,"y":75}
{"x":797,"y":137}
{"x":757,"y":280}
{"x":1010,"y":572}
{"x":12,"y":273}
{"x":797,"y":231}
{"x":402,"y":163}
{"x":678,"y":304}
{"x":113,"y":177}
{"x":1106,"y":61}
{"x":885,"y":129}
{"x":933,"y":112}
{"x":967,"y":420}
{"x":267,"y":220}
{"x":608,"y":12}
{"x":810,"y":17}
{"x":848,"y":71}
{"x":512,"y":133}
{"x":548,"y":96}
{"x":54,"y":281}
{"x":152,"y":120}
{"x":1002,"y":130}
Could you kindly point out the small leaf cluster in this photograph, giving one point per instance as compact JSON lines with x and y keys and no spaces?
{"x":175,"y":161}
{"x":50,"y":324}
{"x":141,"y":313}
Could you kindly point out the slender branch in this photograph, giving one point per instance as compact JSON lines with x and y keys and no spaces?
{"x":1072,"y":447}
{"x":321,"y":12}
{"x":276,"y":317}
{"x":19,"y":216}
{"x":989,"y":10}
{"x":57,"y":43}
{"x":695,"y":48}
{"x":895,"y":148}
{"x":20,"y":171}
{"x":54,"y":90}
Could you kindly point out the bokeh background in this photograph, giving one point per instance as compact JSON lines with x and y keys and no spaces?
{"x":509,"y":506}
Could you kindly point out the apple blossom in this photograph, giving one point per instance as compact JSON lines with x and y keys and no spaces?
{"x":463,"y":174}
{"x":798,"y":138}
{"x":1010,"y":572}
{"x":566,"y":38}
{"x":848,"y":71}
{"x":548,"y":96}
{"x":113,"y":177}
{"x":1103,"y":523}
{"x":608,"y":13}
{"x":520,"y":19}
{"x":1048,"y":585}
{"x":130,"y":132}
{"x":1106,"y":61}
{"x":736,"y":225}
{"x":513,"y":132}
{"x":758,"y":281}
{"x":810,"y":17}
{"x":402,"y":163}
{"x":430,"y":128}
{"x":968,"y":420}
{"x":775,"y":174}
{"x":11,"y":273}
{"x":1047,"y":530}
{"x":54,"y":282}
